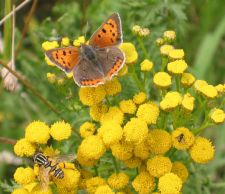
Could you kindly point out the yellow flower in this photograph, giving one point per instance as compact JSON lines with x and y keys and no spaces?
{"x":39,"y":190}
{"x":94,"y":183}
{"x":87,"y":129}
{"x":49,"y":45}
{"x":165,"y":49}
{"x":84,"y":176}
{"x":141,"y":150}
{"x":171,"y":101}
{"x":159,"y":166}
{"x":187,"y":79}
{"x":66,"y":190}
{"x":123,"y":71}
{"x":135,"y":131}
{"x":20,"y":191}
{"x":24,"y":148}
{"x":136,"y":29}
{"x":139,"y":98}
{"x":24,"y":175}
{"x":146,"y":65}
{"x":128,"y":106}
{"x":70,"y":180}
{"x":122,"y":151}
{"x":60,"y":81}
{"x":60,"y":130}
{"x":162,"y":80}
{"x":51,"y":77}
{"x":104,"y":189}
{"x":209,"y":91}
{"x":65,"y":41}
{"x":118,"y":181}
{"x":188,"y":102}
{"x":37,"y":132}
{"x":114,"y":114}
{"x":199,"y":84}
{"x":84,"y":161}
{"x":111,"y":133}
{"x":144,"y":32}
{"x":49,"y":151}
{"x":92,"y":96}
{"x":177,"y":67}
{"x":69,"y":75}
{"x":144,"y":183}
{"x":170,"y":183}
{"x":80,"y":40}
{"x":133,"y":162}
{"x":182,"y":138}
{"x":217,"y":116}
{"x":149,"y":112}
{"x":130,"y":52}
{"x":180,"y":170}
{"x":202,"y":150}
{"x":159,"y":141}
{"x":220,"y":89}
{"x":176,"y":54}
{"x":92,"y":147}
{"x":159,"y":41}
{"x":112,"y":87}
{"x":169,"y":35}
{"x":47,"y":60}
{"x":97,"y":110}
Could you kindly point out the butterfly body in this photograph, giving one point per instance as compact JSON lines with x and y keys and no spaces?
{"x":96,"y":62}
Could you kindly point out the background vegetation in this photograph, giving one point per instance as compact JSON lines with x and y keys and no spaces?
{"x":200,"y":28}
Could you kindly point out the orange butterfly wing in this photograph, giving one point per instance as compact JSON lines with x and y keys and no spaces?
{"x":65,"y":58}
{"x":109,"y":33}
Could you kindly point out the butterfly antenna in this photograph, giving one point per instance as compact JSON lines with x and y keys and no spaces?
{"x":86,"y":29}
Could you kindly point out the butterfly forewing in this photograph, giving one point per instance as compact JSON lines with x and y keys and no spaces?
{"x":65,"y":58}
{"x":109,"y":33}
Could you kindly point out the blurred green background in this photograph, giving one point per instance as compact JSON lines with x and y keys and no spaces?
{"x":200,"y":28}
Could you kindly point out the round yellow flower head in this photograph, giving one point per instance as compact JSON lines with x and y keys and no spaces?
{"x":128,"y":106}
{"x":92,"y":147}
{"x":136,"y":29}
{"x":104,"y":189}
{"x":144,"y":32}
{"x":220,"y":89}
{"x":130,"y":52}
{"x":80,"y":40}
{"x":146,"y":65}
{"x":114,"y":114}
{"x":187,"y":79}
{"x":84,"y":161}
{"x":87,"y":129}
{"x":93,"y":183}
{"x":65,"y":41}
{"x":49,"y":63}
{"x":84,"y":176}
{"x":209,"y":91}
{"x":135,"y":131}
{"x":49,"y":45}
{"x":180,"y":170}
{"x":24,"y":148}
{"x":97,"y":110}
{"x":110,"y":132}
{"x":182,"y":138}
{"x":69,"y":75}
{"x":37,"y":132}
{"x":123,"y":71}
{"x":159,"y":141}
{"x":49,"y":151}
{"x":169,"y":35}
{"x":170,"y":183}
{"x":51,"y":77}
{"x":39,"y":190}
{"x":112,"y":87}
{"x":165,"y":49}
{"x":118,"y":181}
{"x":91,"y":96}
{"x":122,"y":151}
{"x":133,"y":162}
{"x":139,"y":98}
{"x":141,"y":150}
{"x":60,"y":81}
{"x":61,"y":190}
{"x":149,"y":112}
{"x":199,"y":84}
{"x":171,"y":101}
{"x":70,"y":180}
{"x":24,"y":175}
{"x":144,"y":183}
{"x":20,"y":191}
{"x":176,"y":54}
{"x":177,"y":67}
{"x":162,"y":80}
{"x":159,"y":41}
{"x":202,"y":150}
{"x":159,"y":166}
{"x":217,"y":116}
{"x":188,"y":103}
{"x":60,"y":130}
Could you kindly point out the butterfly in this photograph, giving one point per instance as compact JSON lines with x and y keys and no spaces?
{"x":94,"y":63}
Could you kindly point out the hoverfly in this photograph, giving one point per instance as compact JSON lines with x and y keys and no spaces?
{"x":180,"y":138}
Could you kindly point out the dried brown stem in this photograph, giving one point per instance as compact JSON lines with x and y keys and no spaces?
{"x":5,"y":140}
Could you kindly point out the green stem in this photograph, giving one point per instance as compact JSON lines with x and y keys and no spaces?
{"x":164,"y":63}
{"x":96,"y":170}
{"x":177,"y":80}
{"x":217,"y":185}
{"x":201,"y":128}
{"x":135,"y":77}
{"x":115,"y":164}
{"x":140,"y":41}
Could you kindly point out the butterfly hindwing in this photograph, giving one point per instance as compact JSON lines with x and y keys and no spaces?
{"x":65,"y":58}
{"x":109,"y":33}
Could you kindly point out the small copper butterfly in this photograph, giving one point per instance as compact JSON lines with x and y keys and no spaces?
{"x":94,"y":63}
